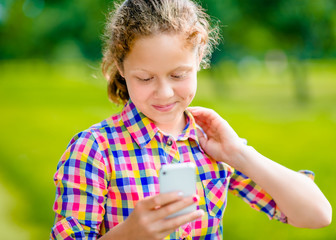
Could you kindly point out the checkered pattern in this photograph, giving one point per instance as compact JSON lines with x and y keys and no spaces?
{"x":256,"y":197}
{"x":108,"y":168}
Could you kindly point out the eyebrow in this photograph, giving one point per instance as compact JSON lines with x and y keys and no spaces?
{"x":182,"y":67}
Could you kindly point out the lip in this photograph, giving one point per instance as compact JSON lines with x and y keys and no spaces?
{"x":164,"y":108}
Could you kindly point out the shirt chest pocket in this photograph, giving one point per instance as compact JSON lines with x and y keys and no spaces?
{"x":215,"y":191}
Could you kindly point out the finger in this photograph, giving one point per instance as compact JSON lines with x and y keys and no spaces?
{"x":211,"y":123}
{"x":201,"y":111}
{"x":193,"y":109}
{"x":209,"y":127}
{"x":204,"y":120}
{"x":174,"y":207}
{"x":197,"y":110}
{"x":173,"y":223}
{"x":153,"y":202}
{"x":201,"y":137}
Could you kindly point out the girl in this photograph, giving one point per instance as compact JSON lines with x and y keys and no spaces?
{"x":107,"y":179}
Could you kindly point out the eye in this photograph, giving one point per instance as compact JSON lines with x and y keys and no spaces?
{"x":145,"y":79}
{"x":178,"y":76}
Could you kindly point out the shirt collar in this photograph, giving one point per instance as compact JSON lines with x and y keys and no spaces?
{"x":142,"y":129}
{"x":191,"y":129}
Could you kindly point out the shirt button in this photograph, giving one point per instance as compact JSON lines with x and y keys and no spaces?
{"x":169,"y":142}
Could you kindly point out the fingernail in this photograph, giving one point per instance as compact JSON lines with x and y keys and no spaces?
{"x":195,"y":199}
{"x":200,"y":213}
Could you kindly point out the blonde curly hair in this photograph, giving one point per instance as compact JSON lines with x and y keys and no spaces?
{"x":133,"y":19}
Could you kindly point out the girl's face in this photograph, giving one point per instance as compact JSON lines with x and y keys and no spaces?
{"x":160,"y":73}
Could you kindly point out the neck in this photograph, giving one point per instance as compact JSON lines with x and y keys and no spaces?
{"x":175,"y":128}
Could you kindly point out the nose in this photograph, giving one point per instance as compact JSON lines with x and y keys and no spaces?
{"x":164,"y":89}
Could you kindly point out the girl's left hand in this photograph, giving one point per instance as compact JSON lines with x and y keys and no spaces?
{"x":297,"y":196}
{"x":221,"y":142}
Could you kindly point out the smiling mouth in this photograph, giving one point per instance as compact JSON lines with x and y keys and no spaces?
{"x":164,"y":108}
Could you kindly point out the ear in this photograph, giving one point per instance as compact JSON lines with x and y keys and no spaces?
{"x":120,"y":69}
{"x":200,"y":56}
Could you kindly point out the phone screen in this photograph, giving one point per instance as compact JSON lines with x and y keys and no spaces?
{"x":179,"y":177}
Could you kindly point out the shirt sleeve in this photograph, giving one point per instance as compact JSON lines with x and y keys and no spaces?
{"x":81,"y":187}
{"x":256,"y":197}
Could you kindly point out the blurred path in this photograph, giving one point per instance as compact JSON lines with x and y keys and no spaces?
{"x":8,"y":228}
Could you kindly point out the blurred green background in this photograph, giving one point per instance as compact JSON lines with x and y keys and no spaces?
{"x":273,"y":78}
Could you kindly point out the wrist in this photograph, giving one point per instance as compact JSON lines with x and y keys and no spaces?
{"x":242,"y":156}
{"x":117,"y":232}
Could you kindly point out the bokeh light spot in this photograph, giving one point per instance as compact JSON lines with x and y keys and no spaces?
{"x":33,"y":8}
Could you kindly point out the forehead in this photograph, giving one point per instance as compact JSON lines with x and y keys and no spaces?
{"x":159,"y":51}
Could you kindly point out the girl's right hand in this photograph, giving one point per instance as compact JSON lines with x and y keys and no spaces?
{"x":148,"y":220}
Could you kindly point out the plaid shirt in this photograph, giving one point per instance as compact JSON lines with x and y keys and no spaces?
{"x":112,"y":165}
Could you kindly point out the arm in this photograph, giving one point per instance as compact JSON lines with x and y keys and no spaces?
{"x":296,"y":195}
{"x":82,"y":186}
{"x":148,"y":220}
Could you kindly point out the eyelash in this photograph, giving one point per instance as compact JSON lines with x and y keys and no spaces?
{"x":145,"y":79}
{"x":178,"y":76}
{"x":173,"y":76}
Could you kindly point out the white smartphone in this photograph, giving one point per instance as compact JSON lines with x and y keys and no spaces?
{"x":180,"y":177}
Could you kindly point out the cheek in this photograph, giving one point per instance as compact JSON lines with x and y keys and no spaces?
{"x":193,"y":85}
{"x":189,"y":89}
{"x":131,"y":92}
{"x":136,"y":91}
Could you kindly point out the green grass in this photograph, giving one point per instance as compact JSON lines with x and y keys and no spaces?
{"x":44,"y":104}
